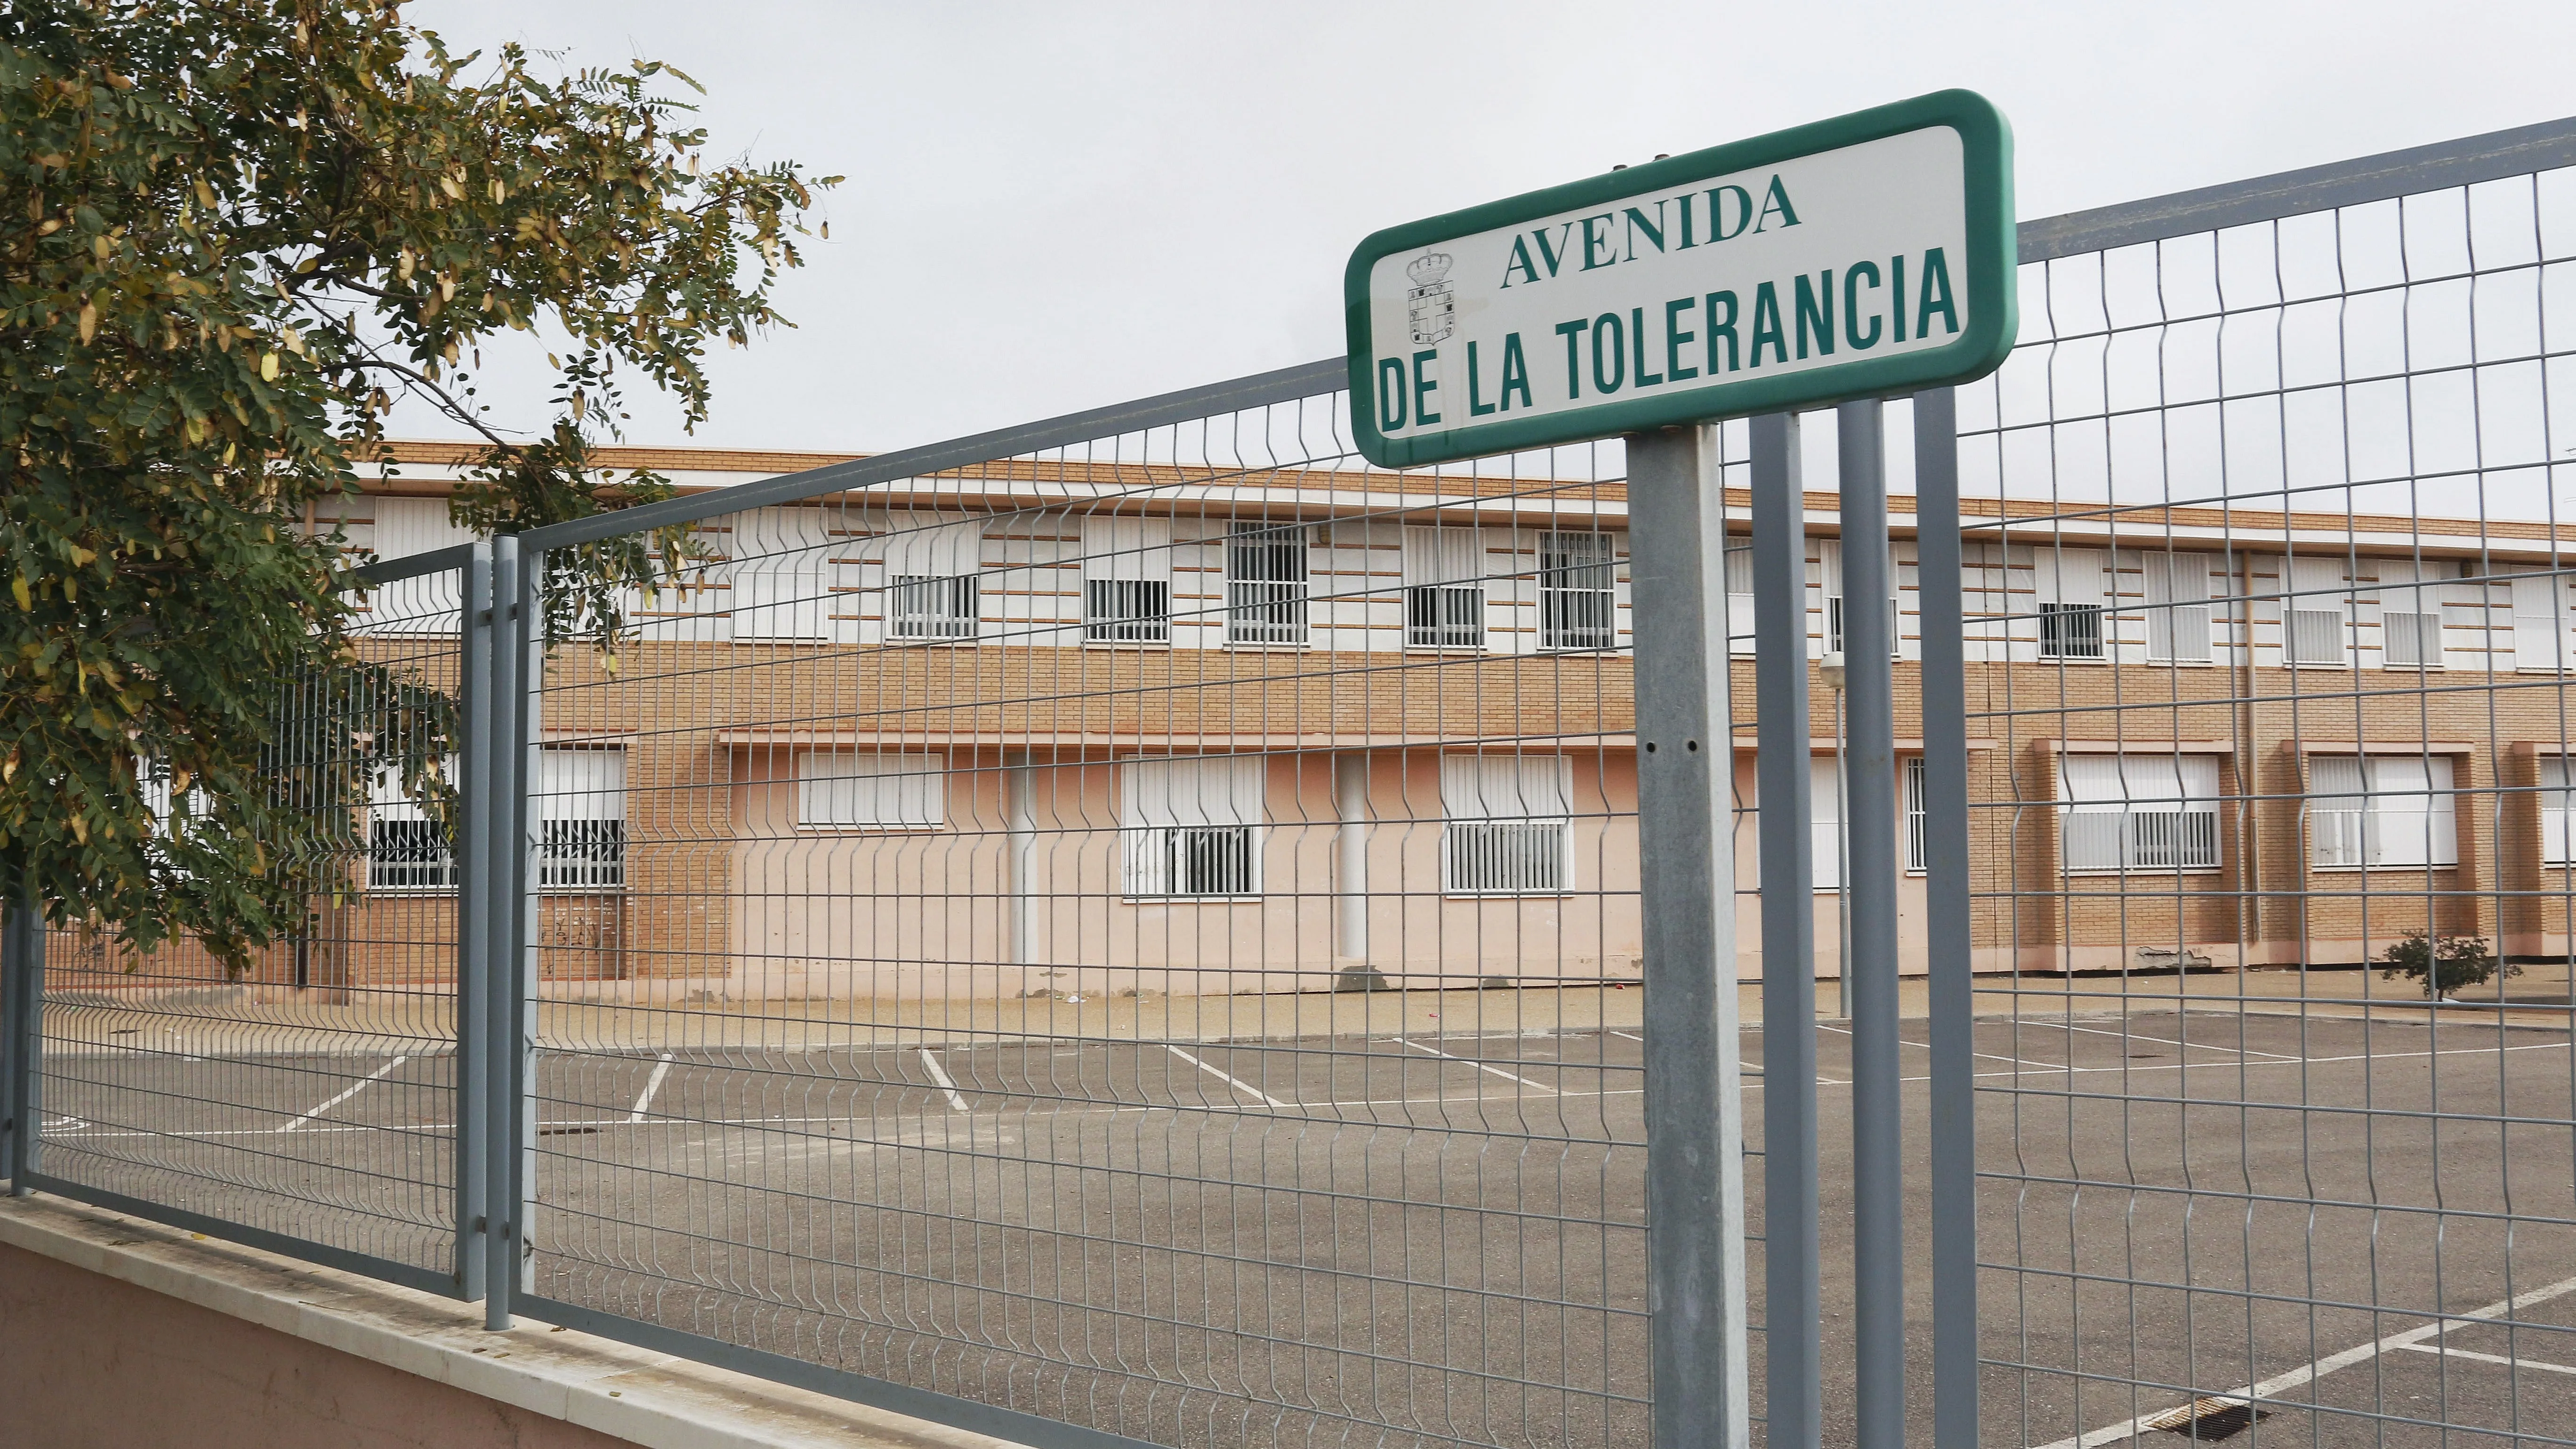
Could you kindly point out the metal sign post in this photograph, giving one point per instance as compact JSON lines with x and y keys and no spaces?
{"x":1843,"y":262}
{"x":1686,"y":848}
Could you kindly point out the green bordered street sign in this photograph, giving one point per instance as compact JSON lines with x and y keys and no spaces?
{"x":1867,"y":255}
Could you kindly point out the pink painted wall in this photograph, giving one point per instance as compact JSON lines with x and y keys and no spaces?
{"x":89,"y":1362}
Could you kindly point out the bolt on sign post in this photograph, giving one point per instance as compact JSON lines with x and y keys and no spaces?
{"x":1843,"y":262}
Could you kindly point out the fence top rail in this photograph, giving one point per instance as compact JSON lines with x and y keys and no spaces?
{"x":2498,"y":154}
{"x":1287,"y":384}
{"x":412,"y":566}
{"x":2415,"y":170}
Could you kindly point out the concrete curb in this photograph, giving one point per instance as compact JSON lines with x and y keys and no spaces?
{"x":644,"y":1398}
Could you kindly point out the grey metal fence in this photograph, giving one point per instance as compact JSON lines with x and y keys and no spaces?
{"x":2265,"y":553}
{"x":304,"y":1099}
{"x":1135,"y":929}
{"x":1140,"y":928}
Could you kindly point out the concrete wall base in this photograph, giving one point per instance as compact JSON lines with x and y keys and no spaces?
{"x":116,"y":1332}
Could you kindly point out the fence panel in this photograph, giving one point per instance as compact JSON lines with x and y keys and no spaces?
{"x":1137,"y":929}
{"x":303,"y":1100}
{"x":2267,"y":559}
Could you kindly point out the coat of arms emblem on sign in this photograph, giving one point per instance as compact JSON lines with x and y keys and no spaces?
{"x":1433,"y":307}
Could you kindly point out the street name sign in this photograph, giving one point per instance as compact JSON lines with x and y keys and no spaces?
{"x":1864,"y":256}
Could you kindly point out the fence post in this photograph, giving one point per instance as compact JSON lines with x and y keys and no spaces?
{"x":1686,"y":834}
{"x":1878,"y":1132}
{"x":1792,"y":1331}
{"x":1947,"y":923}
{"x":22,"y":1037}
{"x":474,"y":898}
{"x":505,"y":844}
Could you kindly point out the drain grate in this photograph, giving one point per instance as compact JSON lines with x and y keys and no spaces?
{"x":2210,"y":1419}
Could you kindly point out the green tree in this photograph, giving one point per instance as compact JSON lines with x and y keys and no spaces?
{"x":232,"y":234}
{"x":2444,"y":964}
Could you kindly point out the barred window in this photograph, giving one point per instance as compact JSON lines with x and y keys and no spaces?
{"x":932,"y":587}
{"x":1192,"y":827}
{"x":1444,"y":588}
{"x":1127,"y":580}
{"x":2138,"y":812}
{"x":1577,"y":598}
{"x":581,"y":838}
{"x":1510,"y":824}
{"x":1918,"y":854}
{"x":931,"y":606}
{"x":1265,"y":585}
{"x":2070,"y":602}
{"x":408,"y":848}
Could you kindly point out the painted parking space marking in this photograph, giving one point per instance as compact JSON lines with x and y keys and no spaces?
{"x":1235,"y":1082}
{"x":947,"y":1084}
{"x":2446,"y":1351}
{"x":1479,"y":1066}
{"x":652,"y":1084}
{"x":2269,"y":1389}
{"x":2177,"y":1042}
{"x":354,"y":1088}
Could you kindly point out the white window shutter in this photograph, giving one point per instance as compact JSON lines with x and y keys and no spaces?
{"x":2557,"y":847}
{"x":1739,"y":598}
{"x":1435,"y":555}
{"x":1824,"y":811}
{"x":2541,"y":623}
{"x":2177,"y":599}
{"x":1510,"y":826}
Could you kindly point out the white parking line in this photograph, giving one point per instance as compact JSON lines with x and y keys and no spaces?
{"x":652,"y":1084}
{"x":2446,"y":1351}
{"x":2309,"y":1373}
{"x":1480,"y":1066}
{"x":2175,"y":1041}
{"x":946,"y":1083}
{"x":369,"y":1080}
{"x":1235,"y":1082}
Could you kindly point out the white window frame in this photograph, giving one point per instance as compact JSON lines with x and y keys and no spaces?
{"x":1127,"y":581}
{"x":2316,"y":596}
{"x":1506,"y":811}
{"x":933,"y":584}
{"x":2557,"y":811}
{"x":2136,"y":811}
{"x":387,"y":805}
{"x":1444,"y":588}
{"x":581,"y":830}
{"x":1177,"y":814}
{"x":2358,"y":815}
{"x":1915,"y":779}
{"x":2069,"y":599}
{"x":845,"y":792}
{"x":2411,"y":597}
{"x":2175,"y":589}
{"x":2544,"y":623}
{"x":1268,"y":578}
{"x":1739,"y":595}
{"x":1578,"y":574}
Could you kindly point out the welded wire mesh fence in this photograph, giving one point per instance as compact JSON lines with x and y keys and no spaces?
{"x":301,"y":1096}
{"x":1140,"y":932}
{"x":2267,"y":578}
{"x":1133,"y":926}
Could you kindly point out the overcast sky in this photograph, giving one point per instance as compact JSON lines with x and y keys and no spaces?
{"x":1054,"y":206}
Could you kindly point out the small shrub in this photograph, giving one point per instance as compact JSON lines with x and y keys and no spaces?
{"x":2444,"y":965}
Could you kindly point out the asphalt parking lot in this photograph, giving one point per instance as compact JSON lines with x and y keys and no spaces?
{"x":1228,"y":1242}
